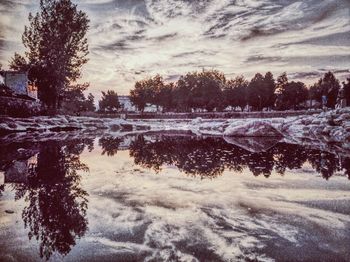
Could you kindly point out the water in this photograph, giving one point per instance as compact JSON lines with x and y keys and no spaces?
{"x":176,"y":198}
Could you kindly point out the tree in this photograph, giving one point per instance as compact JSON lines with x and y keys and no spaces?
{"x":74,"y":100}
{"x":292,"y":95}
{"x":235,"y":92}
{"x":165,"y":97}
{"x":109,"y":101}
{"x":346,"y":87}
{"x":282,"y":81}
{"x":329,"y":86}
{"x":55,"y":203}
{"x":56,"y":49}
{"x":206,"y":93}
{"x":154,"y":87}
{"x":201,"y":90}
{"x":138,"y":96}
{"x":90,"y":104}
{"x":269,"y":90}
{"x":182,"y":92}
{"x":255,"y":92}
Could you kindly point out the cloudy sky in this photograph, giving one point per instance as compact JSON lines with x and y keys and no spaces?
{"x":133,"y":39}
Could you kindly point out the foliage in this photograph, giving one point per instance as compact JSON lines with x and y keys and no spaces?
{"x":190,"y":155}
{"x":152,"y":90}
{"x":235,"y":92}
{"x":56,"y":205}
{"x":109,"y":101}
{"x":74,"y":100}
{"x":329,"y":86}
{"x":261,"y":91}
{"x":200,"y":90}
{"x":138,"y":96}
{"x":346,"y":87}
{"x":109,"y":145}
{"x":56,"y":49}
{"x":206,"y":93}
{"x":292,"y":95}
{"x":210,"y":90}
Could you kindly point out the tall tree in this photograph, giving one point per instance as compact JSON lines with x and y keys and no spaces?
{"x":56,"y":49}
{"x":109,"y":101}
{"x":269,"y":90}
{"x":138,"y":95}
{"x":201,"y":90}
{"x":90,"y":104}
{"x":346,"y":87}
{"x":292,"y":94}
{"x":165,"y":97}
{"x":255,"y":92}
{"x":235,"y":92}
{"x":327,"y":86}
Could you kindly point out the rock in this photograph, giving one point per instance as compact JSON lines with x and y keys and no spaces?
{"x":12,"y":125}
{"x":306,"y":121}
{"x":114,"y":127}
{"x":326,"y":130}
{"x":316,"y":122}
{"x":253,"y":144}
{"x":197,"y":121}
{"x":256,"y":128}
{"x":63,"y":128}
{"x":337,"y":122}
{"x":142,"y":127}
{"x":126,"y":127}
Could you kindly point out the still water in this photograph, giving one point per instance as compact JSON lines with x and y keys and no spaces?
{"x":172,"y":198}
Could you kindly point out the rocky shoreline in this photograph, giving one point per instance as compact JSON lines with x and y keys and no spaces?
{"x":331,"y":127}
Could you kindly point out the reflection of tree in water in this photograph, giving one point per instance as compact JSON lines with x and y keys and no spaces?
{"x":324,"y":163}
{"x":2,"y":188}
{"x":288,"y":156}
{"x":209,"y":157}
{"x":109,"y":145}
{"x":56,"y":213}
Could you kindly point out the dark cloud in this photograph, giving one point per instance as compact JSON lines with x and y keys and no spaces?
{"x":162,"y":37}
{"x":257,"y":32}
{"x":337,"y":39}
{"x":305,"y":75}
{"x":262,"y":58}
{"x":138,"y":6}
{"x":192,"y":53}
{"x":7,"y":4}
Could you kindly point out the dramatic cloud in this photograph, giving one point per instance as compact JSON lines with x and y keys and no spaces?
{"x":132,"y":39}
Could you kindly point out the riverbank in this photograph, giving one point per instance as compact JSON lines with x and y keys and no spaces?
{"x":205,"y":115}
{"x":324,"y":128}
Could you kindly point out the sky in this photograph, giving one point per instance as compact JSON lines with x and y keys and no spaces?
{"x":133,"y":39}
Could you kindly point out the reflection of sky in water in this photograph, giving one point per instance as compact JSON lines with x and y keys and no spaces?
{"x":136,"y":213}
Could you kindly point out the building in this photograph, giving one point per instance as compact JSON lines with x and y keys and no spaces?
{"x":126,"y":104}
{"x":18,"y":84}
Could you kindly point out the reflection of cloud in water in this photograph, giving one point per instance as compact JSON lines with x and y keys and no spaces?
{"x":154,"y":202}
{"x":169,"y":216}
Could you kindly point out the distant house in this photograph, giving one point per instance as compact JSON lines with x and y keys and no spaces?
{"x":126,"y":104}
{"x":17,"y":83}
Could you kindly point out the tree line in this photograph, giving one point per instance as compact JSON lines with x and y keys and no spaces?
{"x":210,"y":90}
